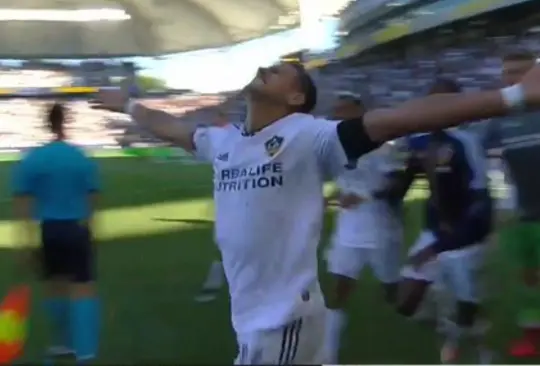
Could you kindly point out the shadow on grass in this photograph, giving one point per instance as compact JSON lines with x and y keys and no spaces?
{"x":147,"y":285}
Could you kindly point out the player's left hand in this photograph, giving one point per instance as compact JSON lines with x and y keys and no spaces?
{"x":422,"y":257}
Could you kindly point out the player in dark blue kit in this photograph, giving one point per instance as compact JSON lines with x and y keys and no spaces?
{"x":56,"y":185}
{"x":451,"y":247}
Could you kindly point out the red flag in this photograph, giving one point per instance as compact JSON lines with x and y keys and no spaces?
{"x":13,"y":323}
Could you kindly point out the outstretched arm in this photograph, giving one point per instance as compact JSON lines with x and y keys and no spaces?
{"x":433,"y":112}
{"x":436,"y":112}
{"x":161,"y":124}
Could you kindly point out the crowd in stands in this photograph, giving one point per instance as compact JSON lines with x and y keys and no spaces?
{"x":22,"y":120}
{"x":475,"y":66}
{"x":15,"y":78}
{"x":23,"y":124}
{"x":382,"y":83}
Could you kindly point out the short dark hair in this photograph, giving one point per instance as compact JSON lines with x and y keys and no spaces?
{"x":519,"y":55}
{"x":56,"y":117}
{"x":308,"y":87}
{"x":447,"y":86}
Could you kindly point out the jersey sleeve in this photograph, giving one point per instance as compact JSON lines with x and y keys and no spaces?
{"x":206,"y":141}
{"x":340,"y":144}
{"x":328,"y":149}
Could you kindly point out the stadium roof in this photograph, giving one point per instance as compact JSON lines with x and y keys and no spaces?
{"x":154,"y":27}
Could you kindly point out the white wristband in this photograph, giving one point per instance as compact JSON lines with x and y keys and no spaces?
{"x":130,"y":106}
{"x":514,"y":97}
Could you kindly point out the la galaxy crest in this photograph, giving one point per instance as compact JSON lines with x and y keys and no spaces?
{"x":273,"y":145}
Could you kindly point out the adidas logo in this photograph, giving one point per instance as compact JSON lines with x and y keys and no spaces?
{"x":223,"y":157}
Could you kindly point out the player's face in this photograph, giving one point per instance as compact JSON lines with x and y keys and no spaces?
{"x":513,"y":71}
{"x":345,"y":109}
{"x":279,"y":84}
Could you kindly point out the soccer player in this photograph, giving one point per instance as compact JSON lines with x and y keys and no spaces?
{"x":520,"y":147}
{"x":268,"y":192}
{"x":458,"y":221}
{"x":364,"y":230}
{"x":56,"y":185}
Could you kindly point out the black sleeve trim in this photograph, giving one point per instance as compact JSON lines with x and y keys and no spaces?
{"x":354,"y":138}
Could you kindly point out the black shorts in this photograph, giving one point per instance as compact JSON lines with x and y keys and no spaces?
{"x":67,"y":251}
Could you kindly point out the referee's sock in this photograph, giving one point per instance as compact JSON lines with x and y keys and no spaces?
{"x":85,"y":327}
{"x":57,"y":309}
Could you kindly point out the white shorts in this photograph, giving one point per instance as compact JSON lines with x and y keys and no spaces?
{"x":299,"y":342}
{"x":349,"y":261}
{"x":460,"y":271}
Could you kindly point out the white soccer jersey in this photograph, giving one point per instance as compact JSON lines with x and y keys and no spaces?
{"x":361,"y":225}
{"x":269,"y":210}
{"x":390,"y":158}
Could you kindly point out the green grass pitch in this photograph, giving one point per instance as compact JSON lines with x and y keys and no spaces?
{"x":155,"y":246}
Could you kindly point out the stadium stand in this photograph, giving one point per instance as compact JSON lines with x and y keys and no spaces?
{"x":467,"y":50}
{"x":26,"y":90}
{"x":121,"y":28}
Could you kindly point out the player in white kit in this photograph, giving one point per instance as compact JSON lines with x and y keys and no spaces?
{"x":364,"y":233}
{"x":268,"y":181}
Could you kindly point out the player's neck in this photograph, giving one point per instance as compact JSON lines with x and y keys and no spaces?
{"x":259,"y":116}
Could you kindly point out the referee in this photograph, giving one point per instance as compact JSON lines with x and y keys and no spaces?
{"x":55,"y":185}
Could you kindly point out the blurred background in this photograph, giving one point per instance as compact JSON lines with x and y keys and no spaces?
{"x":193,"y":56}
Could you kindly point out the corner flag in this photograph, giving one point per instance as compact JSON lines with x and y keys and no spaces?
{"x":13,"y":323}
